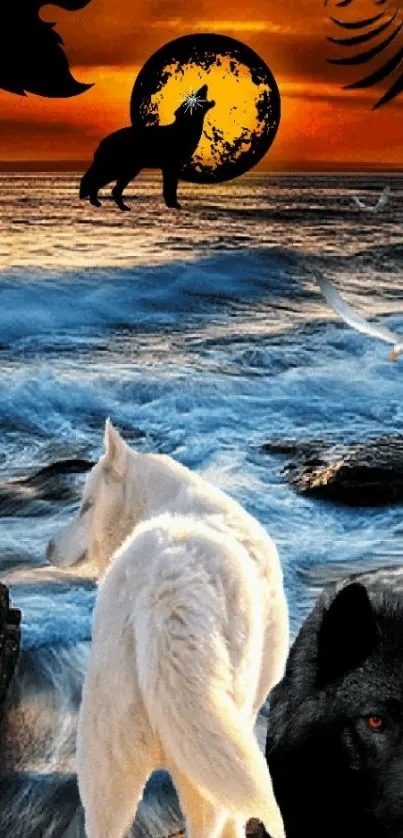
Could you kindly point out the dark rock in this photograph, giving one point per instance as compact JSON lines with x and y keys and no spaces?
{"x":10,"y":619}
{"x":72,"y":466}
{"x":255,"y":829}
{"x":363,"y":474}
{"x":31,"y":495}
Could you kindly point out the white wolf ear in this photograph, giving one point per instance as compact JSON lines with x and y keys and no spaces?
{"x":115,"y":448}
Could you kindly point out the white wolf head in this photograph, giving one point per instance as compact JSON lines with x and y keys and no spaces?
{"x":111,"y":506}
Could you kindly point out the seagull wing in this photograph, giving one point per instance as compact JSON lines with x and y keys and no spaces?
{"x":383,"y":198}
{"x":350,"y":316}
{"x":359,"y":203}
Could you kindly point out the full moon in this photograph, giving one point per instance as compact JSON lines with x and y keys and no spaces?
{"x":241,"y":127}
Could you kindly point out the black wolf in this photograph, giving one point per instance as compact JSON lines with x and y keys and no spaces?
{"x":122,"y":155}
{"x":335,"y":738}
{"x":31,"y":56}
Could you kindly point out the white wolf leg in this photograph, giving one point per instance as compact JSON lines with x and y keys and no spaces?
{"x":116,"y":750}
{"x":233,"y":829}
{"x":203,"y":819}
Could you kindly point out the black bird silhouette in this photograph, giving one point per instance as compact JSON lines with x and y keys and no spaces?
{"x":31,"y":55}
{"x":368,"y":38}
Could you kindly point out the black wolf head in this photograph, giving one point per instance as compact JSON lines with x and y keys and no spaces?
{"x":335,"y":735}
{"x":31,"y":56}
{"x":195,"y":105}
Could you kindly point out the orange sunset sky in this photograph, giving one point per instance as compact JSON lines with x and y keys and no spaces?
{"x":322,"y":126}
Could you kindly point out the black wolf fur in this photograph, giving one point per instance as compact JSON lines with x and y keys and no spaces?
{"x":31,"y":56}
{"x":122,"y":155}
{"x":336,"y":774}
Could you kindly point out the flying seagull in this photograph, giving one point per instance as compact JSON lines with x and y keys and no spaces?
{"x":381,"y":202}
{"x":347,"y":313}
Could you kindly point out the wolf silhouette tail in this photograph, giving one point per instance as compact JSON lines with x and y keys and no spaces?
{"x":187,"y":687}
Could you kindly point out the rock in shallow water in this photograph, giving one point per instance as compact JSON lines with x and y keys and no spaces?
{"x":31,"y":495}
{"x":363,"y":474}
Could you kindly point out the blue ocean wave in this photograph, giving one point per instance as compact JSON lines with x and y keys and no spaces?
{"x":43,"y":303}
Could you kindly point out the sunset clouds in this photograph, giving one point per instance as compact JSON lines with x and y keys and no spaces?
{"x":109,"y":40}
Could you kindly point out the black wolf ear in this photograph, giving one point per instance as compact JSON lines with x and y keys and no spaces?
{"x":202,"y":92}
{"x":347,"y":635}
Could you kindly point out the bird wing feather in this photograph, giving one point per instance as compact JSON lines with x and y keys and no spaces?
{"x":383,"y":198}
{"x":363,"y":31}
{"x":350,"y":316}
{"x":360,"y":203}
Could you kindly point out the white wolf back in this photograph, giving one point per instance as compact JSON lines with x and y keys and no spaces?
{"x":199,"y":649}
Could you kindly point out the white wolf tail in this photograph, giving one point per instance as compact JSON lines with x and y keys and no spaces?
{"x":186,"y":681}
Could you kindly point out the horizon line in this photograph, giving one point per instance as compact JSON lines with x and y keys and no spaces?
{"x":77,"y":166}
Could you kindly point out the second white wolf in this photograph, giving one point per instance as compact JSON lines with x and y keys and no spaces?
{"x":190,"y":633}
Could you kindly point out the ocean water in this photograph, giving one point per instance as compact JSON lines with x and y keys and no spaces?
{"x":203,"y":335}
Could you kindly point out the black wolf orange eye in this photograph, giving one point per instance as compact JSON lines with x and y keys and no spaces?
{"x":375,"y":722}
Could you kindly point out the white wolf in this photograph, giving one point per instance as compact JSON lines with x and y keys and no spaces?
{"x":190,"y":633}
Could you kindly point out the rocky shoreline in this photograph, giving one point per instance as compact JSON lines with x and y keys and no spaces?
{"x":363,"y":474}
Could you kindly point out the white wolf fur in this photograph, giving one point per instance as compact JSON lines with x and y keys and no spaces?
{"x":190,"y":633}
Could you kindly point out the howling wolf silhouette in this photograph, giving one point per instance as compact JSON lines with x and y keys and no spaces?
{"x":31,"y":56}
{"x":122,"y":155}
